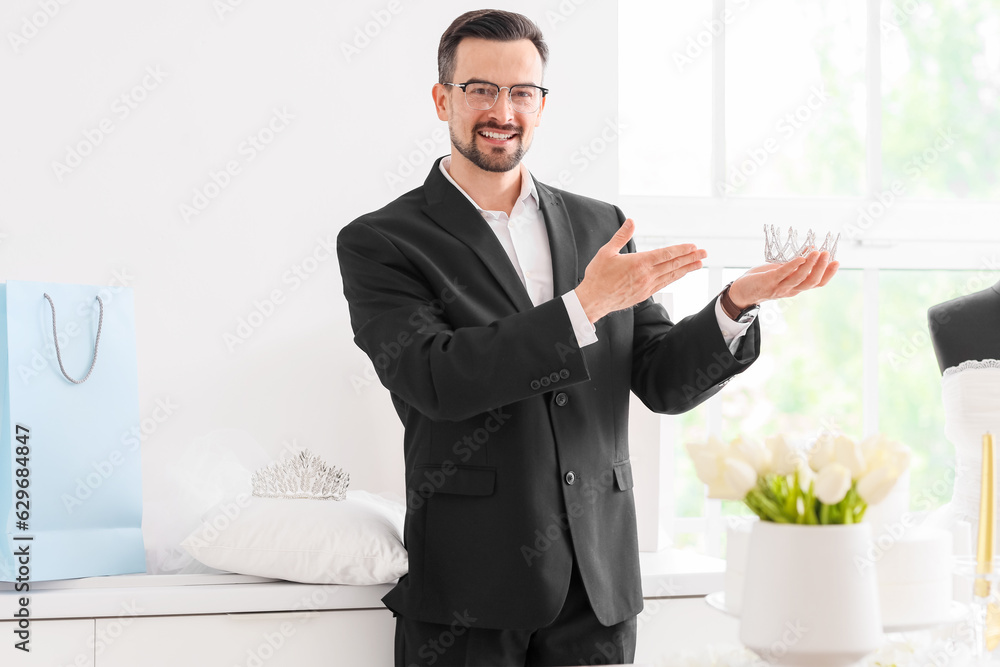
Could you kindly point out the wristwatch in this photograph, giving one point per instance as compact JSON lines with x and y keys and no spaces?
{"x":733,"y":311}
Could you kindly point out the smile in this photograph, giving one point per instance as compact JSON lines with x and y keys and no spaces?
{"x":495,"y":135}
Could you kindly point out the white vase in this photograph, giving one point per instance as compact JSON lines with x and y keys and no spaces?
{"x":737,"y":543}
{"x":806,"y":602}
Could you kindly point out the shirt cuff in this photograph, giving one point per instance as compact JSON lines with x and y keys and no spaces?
{"x":585,"y":332}
{"x":731,"y":331}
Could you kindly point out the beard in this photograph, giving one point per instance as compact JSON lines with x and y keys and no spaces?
{"x":497,"y":159}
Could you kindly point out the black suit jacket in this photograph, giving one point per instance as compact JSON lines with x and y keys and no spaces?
{"x":516,"y":439}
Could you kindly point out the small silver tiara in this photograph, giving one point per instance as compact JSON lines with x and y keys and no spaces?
{"x":778,"y":252}
{"x":302,"y":476}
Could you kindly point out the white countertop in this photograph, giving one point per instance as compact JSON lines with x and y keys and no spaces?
{"x":672,"y":573}
{"x":669,"y":573}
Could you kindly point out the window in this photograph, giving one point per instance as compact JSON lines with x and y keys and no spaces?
{"x":875,"y":120}
{"x":941,"y":97}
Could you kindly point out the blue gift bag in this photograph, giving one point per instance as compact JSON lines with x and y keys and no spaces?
{"x":70,"y":474}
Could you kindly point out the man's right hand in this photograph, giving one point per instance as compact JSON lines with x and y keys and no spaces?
{"x":615,"y":281}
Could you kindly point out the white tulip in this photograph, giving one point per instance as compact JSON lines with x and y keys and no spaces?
{"x":740,"y":476}
{"x":707,"y":464}
{"x":806,"y":476}
{"x":751,"y":451}
{"x":821,"y":452}
{"x":716,"y":445}
{"x":876,"y":485}
{"x":876,"y":442}
{"x":718,"y":467}
{"x":848,"y":453}
{"x":876,"y":458}
{"x":720,"y":490}
{"x":832,"y":483}
{"x":785,"y":459}
{"x":899,"y":460}
{"x":880,"y":451}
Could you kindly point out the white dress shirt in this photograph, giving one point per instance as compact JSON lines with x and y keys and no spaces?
{"x":524,"y":238}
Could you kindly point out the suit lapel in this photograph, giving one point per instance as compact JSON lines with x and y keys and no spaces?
{"x":453,"y":212}
{"x":561,"y":241}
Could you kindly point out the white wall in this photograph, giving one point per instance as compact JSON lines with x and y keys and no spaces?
{"x":224,"y":67}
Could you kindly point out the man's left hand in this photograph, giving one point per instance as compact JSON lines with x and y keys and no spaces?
{"x":777,"y":281}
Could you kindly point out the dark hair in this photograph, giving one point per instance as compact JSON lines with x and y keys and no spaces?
{"x":494,"y":24}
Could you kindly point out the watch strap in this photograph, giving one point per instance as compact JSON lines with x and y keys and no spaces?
{"x":731,"y":309}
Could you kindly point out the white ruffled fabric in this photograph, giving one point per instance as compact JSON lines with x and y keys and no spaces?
{"x":970,"y":365}
{"x":971,"y":396}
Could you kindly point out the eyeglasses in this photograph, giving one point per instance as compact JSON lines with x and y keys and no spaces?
{"x":482,"y":95}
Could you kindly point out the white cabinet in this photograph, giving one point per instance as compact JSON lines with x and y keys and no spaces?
{"x":230,"y":620}
{"x":53,"y":643}
{"x":359,"y":637}
{"x":198,"y":620}
{"x":356,"y":637}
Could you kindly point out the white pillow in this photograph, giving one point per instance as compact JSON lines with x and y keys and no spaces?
{"x":352,"y":541}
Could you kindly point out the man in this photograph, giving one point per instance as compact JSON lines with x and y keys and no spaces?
{"x":509,"y":326}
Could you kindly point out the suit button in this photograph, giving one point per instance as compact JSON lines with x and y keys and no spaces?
{"x":570,"y":477}
{"x":554,"y":377}
{"x":535,"y":385}
{"x":545,"y":382}
{"x":564,"y":374}
{"x":562,"y":399}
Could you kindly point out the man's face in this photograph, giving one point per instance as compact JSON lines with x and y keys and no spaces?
{"x":505,"y":64}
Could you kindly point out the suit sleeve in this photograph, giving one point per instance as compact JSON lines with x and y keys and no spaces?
{"x":676,"y":367}
{"x":400,"y":321}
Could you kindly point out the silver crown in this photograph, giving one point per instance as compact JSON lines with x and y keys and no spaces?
{"x":302,"y":476}
{"x":778,"y":252}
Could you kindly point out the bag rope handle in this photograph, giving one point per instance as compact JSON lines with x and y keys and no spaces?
{"x":55,"y":340}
